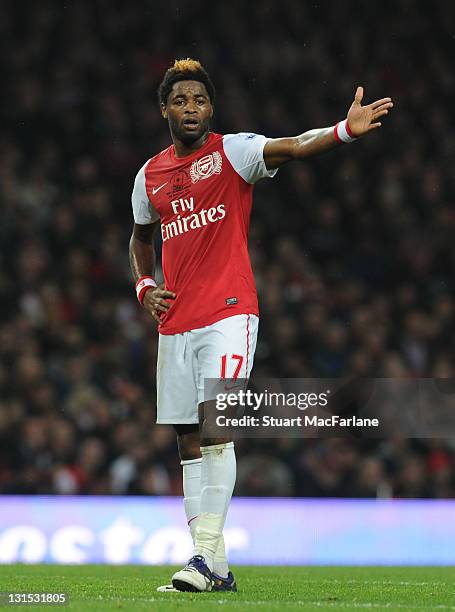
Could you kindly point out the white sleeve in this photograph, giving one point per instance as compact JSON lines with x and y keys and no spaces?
{"x":245,"y":151}
{"x":143,"y":211}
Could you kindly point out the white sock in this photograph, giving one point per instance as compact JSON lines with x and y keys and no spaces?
{"x":218,"y":471}
{"x":191,"y":502}
{"x":220,"y":562}
{"x":191,"y":490}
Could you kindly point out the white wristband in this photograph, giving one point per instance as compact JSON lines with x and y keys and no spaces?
{"x":143,"y":285}
{"x":342,"y":132}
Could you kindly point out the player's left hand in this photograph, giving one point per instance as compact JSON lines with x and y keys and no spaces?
{"x":364,"y":119}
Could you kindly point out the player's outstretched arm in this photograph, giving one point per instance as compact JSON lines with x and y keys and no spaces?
{"x":360,"y":121}
{"x":142,"y":262}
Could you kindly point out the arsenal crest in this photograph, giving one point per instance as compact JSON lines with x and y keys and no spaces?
{"x":206,"y":166}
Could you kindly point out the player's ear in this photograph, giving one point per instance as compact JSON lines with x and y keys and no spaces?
{"x":211,"y":111}
{"x":163,"y":110}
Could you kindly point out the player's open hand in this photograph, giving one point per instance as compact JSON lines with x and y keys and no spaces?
{"x":155,"y":301}
{"x":363,"y":119}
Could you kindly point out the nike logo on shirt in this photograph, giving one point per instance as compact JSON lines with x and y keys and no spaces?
{"x":156,"y":189}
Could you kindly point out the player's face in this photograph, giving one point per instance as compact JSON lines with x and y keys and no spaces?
{"x":188,"y":111}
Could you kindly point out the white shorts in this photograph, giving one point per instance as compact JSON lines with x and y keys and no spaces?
{"x":224,"y":349}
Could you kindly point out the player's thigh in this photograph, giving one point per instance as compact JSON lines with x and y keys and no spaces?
{"x":176,"y":379}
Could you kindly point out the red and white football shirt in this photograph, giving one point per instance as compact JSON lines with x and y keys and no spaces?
{"x":204,"y":203}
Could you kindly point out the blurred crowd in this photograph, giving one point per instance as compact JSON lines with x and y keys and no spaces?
{"x":353,"y":252}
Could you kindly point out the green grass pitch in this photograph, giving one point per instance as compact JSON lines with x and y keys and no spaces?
{"x":280,"y":588}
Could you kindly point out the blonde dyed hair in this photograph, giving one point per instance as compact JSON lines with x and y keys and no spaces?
{"x":187,"y":65}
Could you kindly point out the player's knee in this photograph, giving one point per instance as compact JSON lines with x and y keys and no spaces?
{"x":189,"y":449}
{"x":189,"y":444}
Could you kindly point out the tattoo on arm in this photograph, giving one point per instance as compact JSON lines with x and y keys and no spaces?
{"x":282,"y":150}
